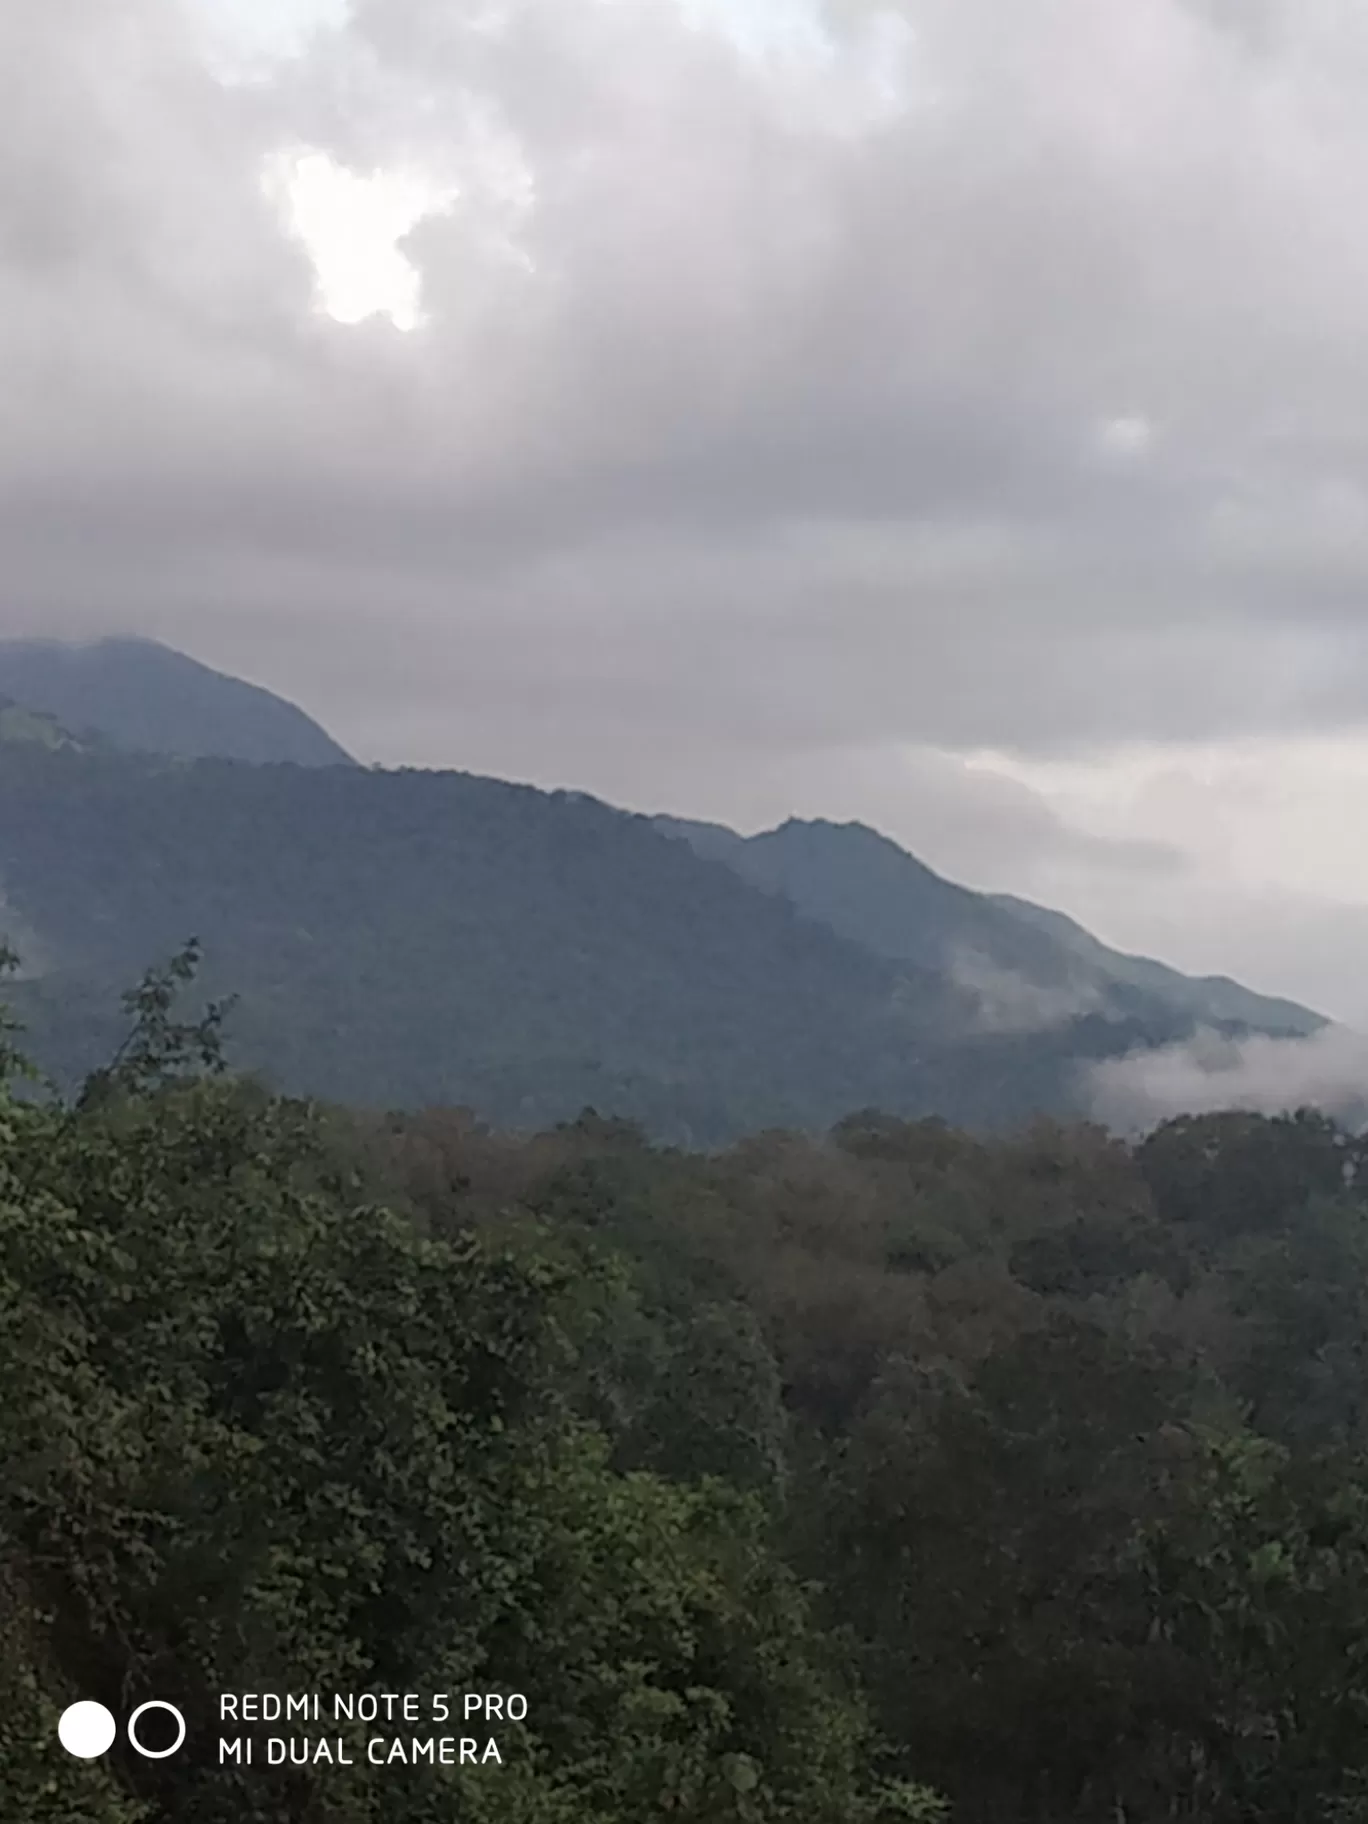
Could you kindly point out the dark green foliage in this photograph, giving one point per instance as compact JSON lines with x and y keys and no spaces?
{"x":1074,"y":1432}
{"x":804,"y":1481}
{"x":1232,"y":1174}
{"x":260,"y":1436}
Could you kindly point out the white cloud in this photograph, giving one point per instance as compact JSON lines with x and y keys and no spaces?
{"x":1271,"y":1076}
{"x":1277,"y":812}
{"x":351,"y":226}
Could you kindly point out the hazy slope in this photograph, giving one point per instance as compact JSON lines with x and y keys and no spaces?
{"x":19,"y":723}
{"x":1028,"y":967}
{"x":144,"y":697}
{"x":1214,"y":997}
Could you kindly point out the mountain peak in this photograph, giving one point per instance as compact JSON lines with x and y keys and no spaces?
{"x":1025,"y":966}
{"x":140,"y":695}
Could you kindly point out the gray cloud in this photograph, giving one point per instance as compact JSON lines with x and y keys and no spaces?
{"x":829,"y":393}
{"x":780,"y":432}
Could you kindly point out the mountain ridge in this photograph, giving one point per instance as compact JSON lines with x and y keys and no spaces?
{"x":407,"y":938}
{"x":867,"y":887}
{"x":410,"y":936}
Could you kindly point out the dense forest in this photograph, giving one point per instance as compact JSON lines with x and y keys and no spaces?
{"x":894,"y":1474}
{"x":400,"y":939}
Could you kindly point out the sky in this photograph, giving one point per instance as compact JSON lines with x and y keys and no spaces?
{"x":950,"y":417}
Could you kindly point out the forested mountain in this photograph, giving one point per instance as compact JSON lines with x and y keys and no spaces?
{"x":885,"y":1472}
{"x":1029,"y":967}
{"x":405,"y":938}
{"x":411,"y":937}
{"x":147,"y":698}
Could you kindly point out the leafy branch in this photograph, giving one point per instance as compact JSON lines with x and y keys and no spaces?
{"x":159,"y":1049}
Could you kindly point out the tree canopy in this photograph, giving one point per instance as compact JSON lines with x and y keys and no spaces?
{"x":901,"y":1474}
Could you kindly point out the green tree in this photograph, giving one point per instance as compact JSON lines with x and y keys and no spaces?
{"x":259,"y":1437}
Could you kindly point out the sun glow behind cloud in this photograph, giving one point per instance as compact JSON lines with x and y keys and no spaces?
{"x":351,"y":224}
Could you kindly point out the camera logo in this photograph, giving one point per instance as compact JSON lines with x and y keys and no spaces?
{"x":87,"y":1730}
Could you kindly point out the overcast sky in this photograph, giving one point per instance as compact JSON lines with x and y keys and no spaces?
{"x":953,"y":417}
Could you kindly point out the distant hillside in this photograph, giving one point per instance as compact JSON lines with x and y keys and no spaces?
{"x":20,"y":723}
{"x":409,"y":938}
{"x":1207,"y":997}
{"x":1028,"y":968}
{"x":144,"y":697}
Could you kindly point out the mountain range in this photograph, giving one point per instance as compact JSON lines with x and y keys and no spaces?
{"x":1026,"y":966}
{"x":404,"y":938}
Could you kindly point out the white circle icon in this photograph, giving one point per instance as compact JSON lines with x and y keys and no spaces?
{"x":86,"y":1730}
{"x":156,"y":1754}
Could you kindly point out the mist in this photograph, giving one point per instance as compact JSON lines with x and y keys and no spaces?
{"x":1009,"y":1002}
{"x":1269,"y":1076}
